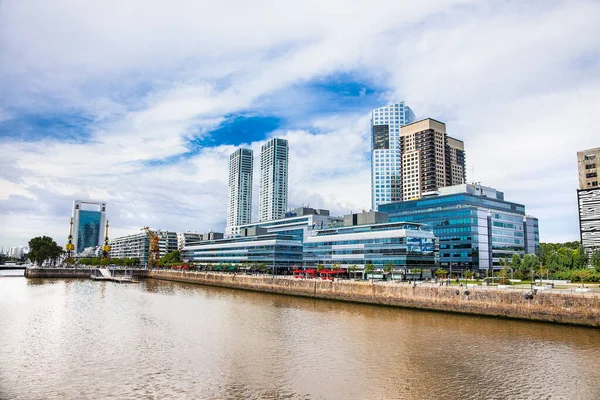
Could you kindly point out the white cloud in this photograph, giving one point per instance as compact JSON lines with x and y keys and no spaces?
{"x":517,"y":81}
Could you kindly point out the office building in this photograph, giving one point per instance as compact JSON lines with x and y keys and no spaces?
{"x":476,"y":227}
{"x":405,"y":246}
{"x":239,"y":206}
{"x":138,"y":245}
{"x":386,"y":153}
{"x":185,"y":239}
{"x":273,"y":180}
{"x":89,"y":224}
{"x":273,"y":251}
{"x":588,"y":198}
{"x":430,"y":159}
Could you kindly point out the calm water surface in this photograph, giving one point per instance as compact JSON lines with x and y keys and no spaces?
{"x":78,"y":339}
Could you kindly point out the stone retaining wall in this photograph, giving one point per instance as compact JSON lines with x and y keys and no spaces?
{"x":575,"y":309}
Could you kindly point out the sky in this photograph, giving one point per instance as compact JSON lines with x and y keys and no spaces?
{"x":140,"y":103}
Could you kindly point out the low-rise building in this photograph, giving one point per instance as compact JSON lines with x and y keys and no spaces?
{"x":476,"y":227}
{"x":270,"y":250}
{"x":138,"y":245}
{"x":403,"y":246}
{"x":185,"y":239}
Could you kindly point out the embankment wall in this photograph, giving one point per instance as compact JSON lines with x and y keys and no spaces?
{"x":574,"y":309}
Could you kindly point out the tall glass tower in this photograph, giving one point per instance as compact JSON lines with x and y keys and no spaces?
{"x":386,"y":154}
{"x":273,"y":180}
{"x":89,"y":219}
{"x":239,"y":207}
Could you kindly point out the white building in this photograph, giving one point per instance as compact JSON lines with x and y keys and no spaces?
{"x":386,"y":155}
{"x":273,"y":180}
{"x":16,"y":252}
{"x":138,"y":245}
{"x":239,"y":206}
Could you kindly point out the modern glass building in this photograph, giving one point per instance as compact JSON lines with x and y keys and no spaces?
{"x":407,"y":246}
{"x":386,"y":154}
{"x":89,"y":220}
{"x":271,"y":250}
{"x":476,"y":227}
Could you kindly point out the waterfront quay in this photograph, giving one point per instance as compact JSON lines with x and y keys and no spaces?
{"x":563,"y":307}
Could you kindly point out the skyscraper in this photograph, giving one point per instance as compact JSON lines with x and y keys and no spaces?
{"x":588,"y":198}
{"x":239,"y":207}
{"x":273,"y":180}
{"x":89,"y":220}
{"x":430,"y":158}
{"x":386,"y":156}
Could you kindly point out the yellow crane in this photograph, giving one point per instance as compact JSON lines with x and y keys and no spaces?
{"x":106,"y":247}
{"x":70,"y":246}
{"x":153,"y":253}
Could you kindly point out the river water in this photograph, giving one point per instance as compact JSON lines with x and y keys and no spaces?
{"x":79,"y":339}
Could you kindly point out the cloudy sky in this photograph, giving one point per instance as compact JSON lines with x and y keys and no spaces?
{"x":139,"y":103}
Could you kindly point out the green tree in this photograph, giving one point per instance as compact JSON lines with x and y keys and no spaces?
{"x":320,"y":267}
{"x":440,"y":273}
{"x":503,"y":275}
{"x":172,"y":258}
{"x":352,"y":269}
{"x":530,"y":262}
{"x":389,"y":268}
{"x":580,"y":258}
{"x":515,"y":261}
{"x":369,"y":269}
{"x":595,"y":259}
{"x":43,"y":248}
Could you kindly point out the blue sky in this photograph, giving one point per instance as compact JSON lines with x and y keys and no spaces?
{"x":141,"y":107}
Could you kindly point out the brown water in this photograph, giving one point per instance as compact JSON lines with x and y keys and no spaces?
{"x":78,"y":339}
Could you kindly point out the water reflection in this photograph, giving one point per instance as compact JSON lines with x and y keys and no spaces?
{"x":160,"y":339}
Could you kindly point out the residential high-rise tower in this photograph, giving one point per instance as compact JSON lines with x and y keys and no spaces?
{"x":588,"y":198}
{"x":273,"y":180}
{"x":430,"y":158}
{"x":386,"y":155}
{"x":239,"y":207}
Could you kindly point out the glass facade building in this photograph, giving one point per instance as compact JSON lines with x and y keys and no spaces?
{"x":272,"y":250}
{"x":476,"y":227}
{"x":386,"y":153}
{"x":406,"y":246}
{"x":89,"y":219}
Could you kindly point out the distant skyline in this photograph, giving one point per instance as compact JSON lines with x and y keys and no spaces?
{"x":142,"y":107}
